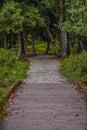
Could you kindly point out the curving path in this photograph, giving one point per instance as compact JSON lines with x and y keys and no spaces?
{"x":46,"y":101}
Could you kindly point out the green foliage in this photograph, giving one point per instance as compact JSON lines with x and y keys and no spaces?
{"x":49,"y":4}
{"x":32,"y":18}
{"x":75,"y":67}
{"x":1,"y":98}
{"x":11,"y":18}
{"x":41,"y":46}
{"x":11,"y":70}
{"x":9,"y":66}
{"x":76,"y":17}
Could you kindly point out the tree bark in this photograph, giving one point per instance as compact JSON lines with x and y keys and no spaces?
{"x":21,"y":49}
{"x":48,"y":46}
{"x":52,"y":40}
{"x":22,"y":42}
{"x":11,"y":41}
{"x":64,"y":44}
{"x":5,"y":41}
{"x":80,"y":45}
{"x":85,"y":43}
{"x":33,"y":45}
{"x":1,"y":40}
{"x":19,"y":46}
{"x":65,"y":47}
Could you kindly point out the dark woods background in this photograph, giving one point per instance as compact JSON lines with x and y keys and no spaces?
{"x":63,"y":20}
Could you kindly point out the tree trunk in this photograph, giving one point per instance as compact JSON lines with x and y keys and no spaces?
{"x":26,"y":44}
{"x":33,"y":46}
{"x":1,"y":40}
{"x":5,"y":41}
{"x":22,"y":42}
{"x":21,"y":49}
{"x":65,"y":48}
{"x":48,"y":46}
{"x":64,"y":44}
{"x":85,"y":43}
{"x":12,"y":40}
{"x":19,"y":46}
{"x":80,"y":45}
{"x":52,"y":40}
{"x":9,"y":40}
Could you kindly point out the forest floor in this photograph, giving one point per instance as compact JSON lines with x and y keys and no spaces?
{"x":46,"y":100}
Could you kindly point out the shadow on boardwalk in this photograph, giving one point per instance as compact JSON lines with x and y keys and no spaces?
{"x":46,"y":101}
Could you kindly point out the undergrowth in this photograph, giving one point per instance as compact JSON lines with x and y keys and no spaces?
{"x":40,"y":46}
{"x":11,"y":70}
{"x":75,"y":67}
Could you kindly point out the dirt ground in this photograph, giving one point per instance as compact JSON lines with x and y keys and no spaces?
{"x":46,"y":100}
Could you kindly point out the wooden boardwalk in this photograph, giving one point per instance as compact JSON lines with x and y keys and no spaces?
{"x":46,"y":100}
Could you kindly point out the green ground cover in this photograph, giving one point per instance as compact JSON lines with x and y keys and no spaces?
{"x":75,"y":67}
{"x":11,"y":70}
{"x":41,"y":46}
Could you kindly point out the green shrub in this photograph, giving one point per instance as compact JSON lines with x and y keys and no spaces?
{"x":1,"y":98}
{"x":11,"y":70}
{"x":41,"y":46}
{"x":8,"y":63}
{"x":75,"y":67}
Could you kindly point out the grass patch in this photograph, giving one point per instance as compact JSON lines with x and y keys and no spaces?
{"x":41,"y":46}
{"x":11,"y":70}
{"x":75,"y":68}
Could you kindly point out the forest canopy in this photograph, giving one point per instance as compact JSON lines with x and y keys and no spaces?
{"x":63,"y":20}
